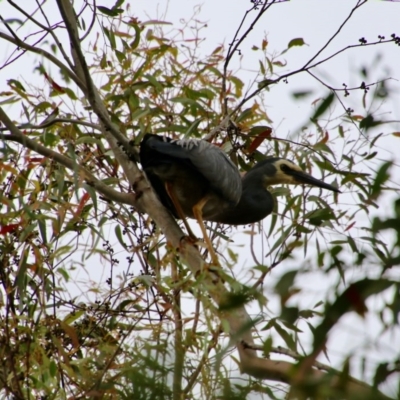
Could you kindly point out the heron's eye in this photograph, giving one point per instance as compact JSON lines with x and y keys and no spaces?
{"x":285,"y":168}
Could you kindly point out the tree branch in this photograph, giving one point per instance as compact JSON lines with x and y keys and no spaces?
{"x":178,"y":343}
{"x":55,"y":121}
{"x":234,"y":45}
{"x":43,"y":53}
{"x":48,"y":29}
{"x":17,"y":136}
{"x":238,"y":320}
{"x":82,"y":70}
{"x":357,"y":6}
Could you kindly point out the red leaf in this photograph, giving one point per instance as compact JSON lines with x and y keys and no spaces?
{"x":81,"y":204}
{"x":55,"y":86}
{"x":350,"y":226}
{"x":35,"y":160}
{"x":324,"y":139}
{"x":8,"y":228}
{"x":266,"y":134}
{"x":356,"y":300}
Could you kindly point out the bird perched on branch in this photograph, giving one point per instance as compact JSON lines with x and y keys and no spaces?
{"x":196,"y":179}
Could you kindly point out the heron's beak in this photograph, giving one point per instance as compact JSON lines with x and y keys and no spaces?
{"x":304,"y":178}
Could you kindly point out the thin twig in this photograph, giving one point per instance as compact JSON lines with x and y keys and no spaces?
{"x":178,"y":344}
{"x":91,"y":23}
{"x":82,"y":70}
{"x":54,"y":121}
{"x":283,"y":77}
{"x":49,"y":29}
{"x":45,"y":54}
{"x":17,"y":136}
{"x":358,"y":5}
{"x":235,"y":43}
{"x":204,"y":358}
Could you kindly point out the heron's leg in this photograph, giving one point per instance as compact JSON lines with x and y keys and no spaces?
{"x":198,"y":214}
{"x":171,"y":193}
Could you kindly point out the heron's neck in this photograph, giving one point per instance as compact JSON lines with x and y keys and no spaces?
{"x":254,"y":205}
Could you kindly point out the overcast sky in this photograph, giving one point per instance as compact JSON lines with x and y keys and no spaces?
{"x":315,"y":21}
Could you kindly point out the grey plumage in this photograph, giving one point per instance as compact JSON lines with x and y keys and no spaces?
{"x":197,"y":172}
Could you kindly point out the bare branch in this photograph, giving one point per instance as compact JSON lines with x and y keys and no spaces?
{"x":82,"y":70}
{"x":178,"y":342}
{"x":91,"y":23}
{"x":45,"y":54}
{"x":233,"y":47}
{"x":270,"y":82}
{"x":352,"y":46}
{"x":55,"y":121}
{"x":235,"y":43}
{"x":49,"y":29}
{"x":356,"y":7}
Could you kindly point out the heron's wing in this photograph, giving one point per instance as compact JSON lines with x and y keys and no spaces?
{"x":209,"y":160}
{"x":147,"y":158}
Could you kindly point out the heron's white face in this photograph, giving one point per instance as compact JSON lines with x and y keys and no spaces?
{"x":281,"y":176}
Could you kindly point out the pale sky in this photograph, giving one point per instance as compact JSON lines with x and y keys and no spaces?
{"x":314,"y":21}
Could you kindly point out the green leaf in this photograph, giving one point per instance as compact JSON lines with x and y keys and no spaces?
{"x":133,"y":101}
{"x":64,"y":274}
{"x":238,"y":85}
{"x":154,"y":82}
{"x":123,"y":305}
{"x":53,"y":368}
{"x":186,"y":101}
{"x":118,"y":3}
{"x":72,"y":317}
{"x":381,"y":178}
{"x":156,"y":22}
{"x":103,"y":62}
{"x":289,"y":314}
{"x":323,"y":106}
{"x":111,"y":37}
{"x":93,"y":196}
{"x":285,"y":336}
{"x":120,"y":56}
{"x":42,"y":229}
{"x":118,"y":233}
{"x":193,"y":127}
{"x":369,"y":122}
{"x":113,"y":12}
{"x":316,"y":217}
{"x":16,"y":84}
{"x":382,"y":373}
{"x":88,"y":140}
{"x":302,"y":94}
{"x":9,"y":100}
{"x":139,"y":113}
{"x":285,"y":283}
{"x":135,"y":43}
{"x":246,"y":114}
{"x":267,"y":346}
{"x":262,"y":68}
{"x":10,"y":21}
{"x":28,"y":229}
{"x":70,"y":93}
{"x":265,"y":83}
{"x":296,"y":42}
{"x":352,"y":299}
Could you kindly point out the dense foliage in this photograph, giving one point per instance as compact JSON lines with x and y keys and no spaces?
{"x":97,"y":300}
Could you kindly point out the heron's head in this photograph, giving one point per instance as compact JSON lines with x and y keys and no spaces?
{"x":280,"y":170}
